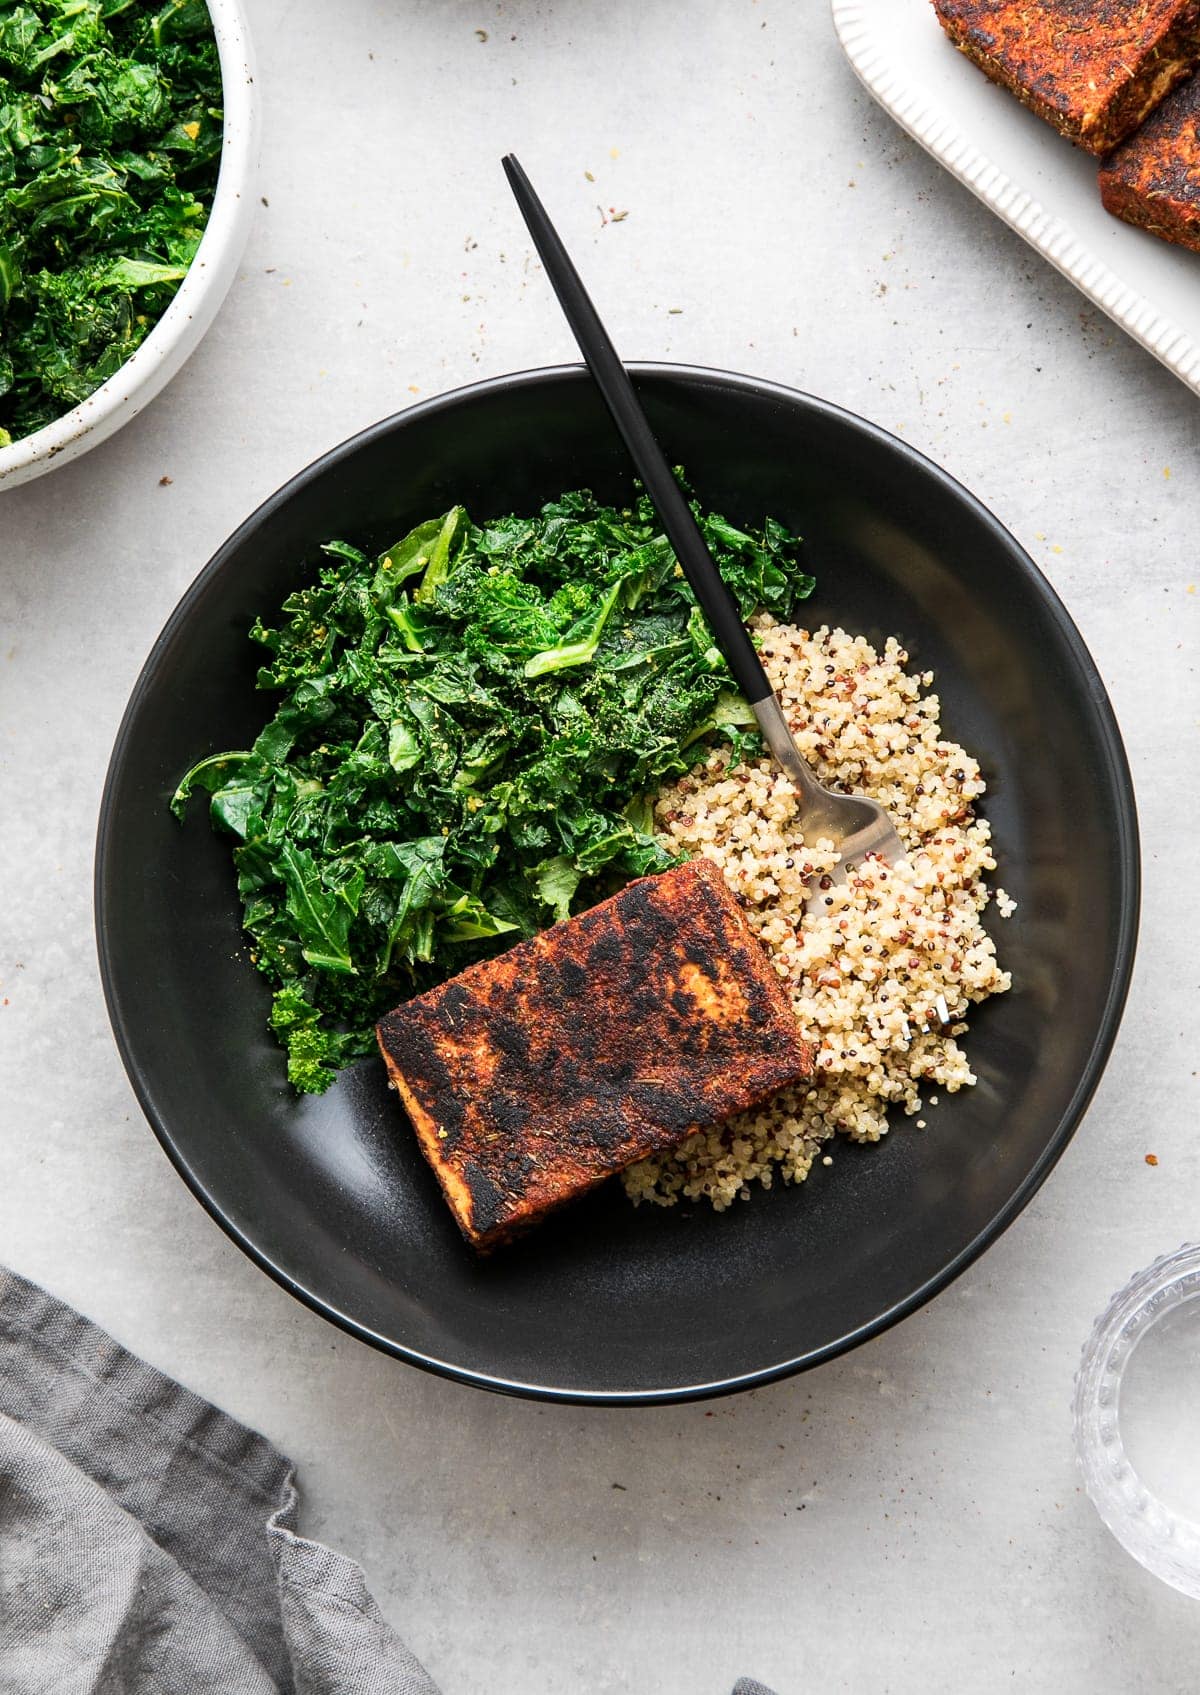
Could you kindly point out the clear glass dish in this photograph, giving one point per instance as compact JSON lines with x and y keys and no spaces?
{"x":1137,"y":1412}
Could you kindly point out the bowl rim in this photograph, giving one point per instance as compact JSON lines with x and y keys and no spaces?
{"x":1163,"y":1539}
{"x":153,"y":358}
{"x":1125,"y":829}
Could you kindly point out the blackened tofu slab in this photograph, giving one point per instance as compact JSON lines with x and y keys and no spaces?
{"x":532,"y":1077}
{"x":1153,"y":179}
{"x":1092,"y":68}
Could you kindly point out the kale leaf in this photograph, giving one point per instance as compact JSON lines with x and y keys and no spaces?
{"x":110,"y":142}
{"x":470,"y":733}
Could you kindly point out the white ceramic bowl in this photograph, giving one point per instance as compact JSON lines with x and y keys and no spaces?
{"x":182,"y":325}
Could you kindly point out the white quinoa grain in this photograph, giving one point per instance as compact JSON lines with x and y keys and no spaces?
{"x":882,"y":977}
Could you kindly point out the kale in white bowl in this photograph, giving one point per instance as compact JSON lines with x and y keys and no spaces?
{"x":110,"y":144}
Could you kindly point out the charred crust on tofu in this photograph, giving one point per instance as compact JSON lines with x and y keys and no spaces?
{"x":532,"y":1077}
{"x":1153,"y":179}
{"x":1092,"y":68}
{"x":488,"y":1200}
{"x":416,"y":1055}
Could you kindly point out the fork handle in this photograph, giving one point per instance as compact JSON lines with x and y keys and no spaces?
{"x":612,"y":379}
{"x":820,"y":808}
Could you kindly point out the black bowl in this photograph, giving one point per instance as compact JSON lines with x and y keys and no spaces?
{"x":605,"y":1302}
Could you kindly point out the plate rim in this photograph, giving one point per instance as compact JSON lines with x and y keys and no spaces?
{"x":1115,"y":762}
{"x":1046,"y":232}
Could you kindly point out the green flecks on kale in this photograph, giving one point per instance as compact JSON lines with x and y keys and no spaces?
{"x":470,"y":733}
{"x":110,"y":142}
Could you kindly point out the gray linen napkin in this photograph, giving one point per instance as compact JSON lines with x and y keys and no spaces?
{"x":148,"y":1542}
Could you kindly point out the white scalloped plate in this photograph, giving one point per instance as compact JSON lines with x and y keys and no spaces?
{"x":1033,"y":179}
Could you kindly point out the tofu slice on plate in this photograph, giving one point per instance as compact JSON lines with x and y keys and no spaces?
{"x":1153,"y":179}
{"x":1092,"y":68}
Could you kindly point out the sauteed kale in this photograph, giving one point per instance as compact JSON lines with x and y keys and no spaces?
{"x":110,"y":142}
{"x":471,"y":731}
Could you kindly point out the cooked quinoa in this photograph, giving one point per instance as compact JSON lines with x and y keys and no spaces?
{"x":882,"y":977}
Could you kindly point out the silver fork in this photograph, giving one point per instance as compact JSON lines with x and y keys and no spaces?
{"x":856,"y":826}
{"x":859,"y":828}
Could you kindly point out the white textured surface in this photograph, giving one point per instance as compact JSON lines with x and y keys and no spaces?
{"x":1036,"y":181}
{"x":907,"y":1519}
